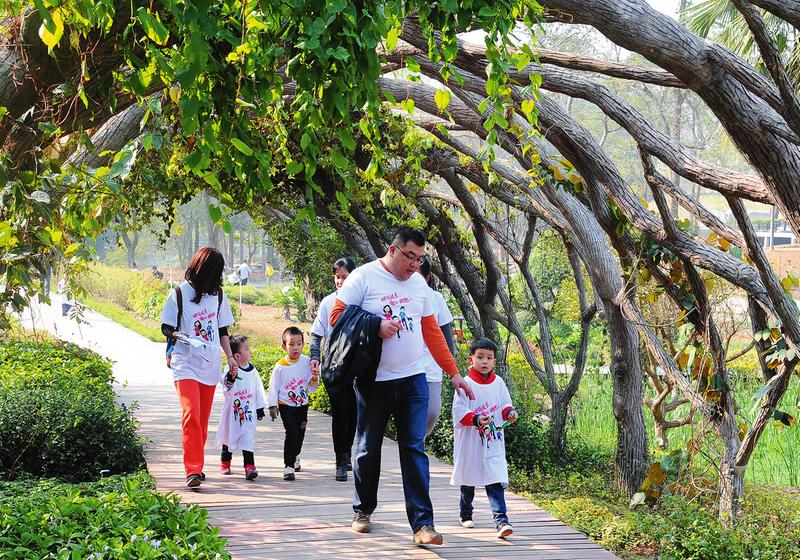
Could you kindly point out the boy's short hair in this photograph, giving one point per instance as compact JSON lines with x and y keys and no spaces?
{"x":483,"y":344}
{"x":236,"y":342}
{"x":291,"y":331}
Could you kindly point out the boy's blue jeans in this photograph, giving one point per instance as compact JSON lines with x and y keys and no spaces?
{"x":407,"y":400}
{"x":497,"y":501}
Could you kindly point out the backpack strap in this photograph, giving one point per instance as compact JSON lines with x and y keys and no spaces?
{"x":179,"y":298}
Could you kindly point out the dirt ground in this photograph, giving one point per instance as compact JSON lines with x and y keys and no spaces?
{"x":785,"y":259}
{"x":264,"y":324}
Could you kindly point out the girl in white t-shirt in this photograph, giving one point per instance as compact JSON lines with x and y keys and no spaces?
{"x":433,"y":373}
{"x":195,"y":360}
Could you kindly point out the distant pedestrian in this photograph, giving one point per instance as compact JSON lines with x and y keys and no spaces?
{"x":244,"y":273}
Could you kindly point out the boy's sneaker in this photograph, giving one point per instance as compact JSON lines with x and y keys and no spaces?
{"x":427,"y":534}
{"x":361,"y":523}
{"x":193,"y":481}
{"x":288,"y":473}
{"x":225,"y":467}
{"x":504,"y":530}
{"x":468,"y":523}
{"x":297,"y":465}
{"x":250,"y":472}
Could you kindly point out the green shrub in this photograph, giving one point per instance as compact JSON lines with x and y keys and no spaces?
{"x":58,"y":415}
{"x":147,"y":296}
{"x":117,"y":517}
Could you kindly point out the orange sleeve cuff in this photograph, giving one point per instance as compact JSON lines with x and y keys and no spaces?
{"x":468,"y":420}
{"x":336,"y":312}
{"x":436,"y":343}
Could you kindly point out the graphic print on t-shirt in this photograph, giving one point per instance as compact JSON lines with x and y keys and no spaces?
{"x":489,"y":434}
{"x":296,"y":391}
{"x":395,"y":311}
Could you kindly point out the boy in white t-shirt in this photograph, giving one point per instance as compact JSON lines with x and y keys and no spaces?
{"x":479,"y":451}
{"x":290,"y":387}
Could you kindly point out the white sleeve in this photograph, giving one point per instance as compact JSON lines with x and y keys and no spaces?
{"x":354,"y":289}
{"x":261,"y":396}
{"x":274,"y":383}
{"x":322,"y":319}
{"x":428,"y":308}
{"x":444,"y":316}
{"x":169,"y":314}
{"x":225,"y":318}
{"x":461,"y":407}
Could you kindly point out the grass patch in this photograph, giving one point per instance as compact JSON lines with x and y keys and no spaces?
{"x":145,"y":327}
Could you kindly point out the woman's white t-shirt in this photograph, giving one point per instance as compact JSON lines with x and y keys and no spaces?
{"x":376,"y":290}
{"x":199,"y":358}
{"x":433,"y":373}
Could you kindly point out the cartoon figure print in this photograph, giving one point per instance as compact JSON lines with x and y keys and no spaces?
{"x":303,"y":395}
{"x":489,"y":433}
{"x":236,"y":405}
{"x":387,"y":312}
{"x":404,"y":317}
{"x":203,"y":334}
{"x":411,"y":324}
{"x":197,"y":327}
{"x":292,"y":397}
{"x":210,"y":331}
{"x":247,"y":412}
{"x":396,"y":318}
{"x":242,"y":416}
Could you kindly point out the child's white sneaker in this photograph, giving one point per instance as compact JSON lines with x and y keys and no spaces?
{"x":467,"y":523}
{"x":288,"y":473}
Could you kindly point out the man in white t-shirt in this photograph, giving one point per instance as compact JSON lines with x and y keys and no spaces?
{"x":389,"y":287}
{"x":244,"y":273}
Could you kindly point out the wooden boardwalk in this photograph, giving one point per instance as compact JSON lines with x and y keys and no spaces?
{"x":310,"y":517}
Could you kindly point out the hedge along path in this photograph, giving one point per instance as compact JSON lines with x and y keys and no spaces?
{"x":310,"y":517}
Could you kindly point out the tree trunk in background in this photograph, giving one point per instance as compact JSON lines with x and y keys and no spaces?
{"x":196,"y":236}
{"x":130,"y":246}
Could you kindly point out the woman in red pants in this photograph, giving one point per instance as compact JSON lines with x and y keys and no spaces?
{"x":194,"y":359}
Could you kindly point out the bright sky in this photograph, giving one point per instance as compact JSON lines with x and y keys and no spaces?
{"x":666,"y":6}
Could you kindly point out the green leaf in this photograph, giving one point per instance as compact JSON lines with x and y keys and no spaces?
{"x":153,"y":27}
{"x":241,"y":146}
{"x":214,"y":213}
{"x":408,"y":105}
{"x":391,"y":39}
{"x":193,"y":160}
{"x":294,"y":167}
{"x":442,"y":98}
{"x":339,"y":160}
{"x":227,"y":227}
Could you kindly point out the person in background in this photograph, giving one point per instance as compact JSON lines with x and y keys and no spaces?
{"x":343,"y":400}
{"x":433,"y":372}
{"x":195,"y":361}
{"x":244,"y":273}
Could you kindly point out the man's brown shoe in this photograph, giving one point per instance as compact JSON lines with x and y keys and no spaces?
{"x":427,"y":534}
{"x":361,"y":523}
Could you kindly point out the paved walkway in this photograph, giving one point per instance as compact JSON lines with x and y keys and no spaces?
{"x":310,"y":517}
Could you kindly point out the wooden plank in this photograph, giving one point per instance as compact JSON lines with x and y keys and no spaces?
{"x":310,"y":517}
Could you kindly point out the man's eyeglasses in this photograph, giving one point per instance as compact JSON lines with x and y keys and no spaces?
{"x":411,"y":256}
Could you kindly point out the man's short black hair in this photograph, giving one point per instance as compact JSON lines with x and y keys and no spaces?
{"x":236,"y":342}
{"x":291,"y":331}
{"x":405,"y":234}
{"x":483,"y":344}
{"x":345,"y":263}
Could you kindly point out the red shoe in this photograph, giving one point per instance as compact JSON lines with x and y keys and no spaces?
{"x":225,"y":467}
{"x":250,"y":472}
